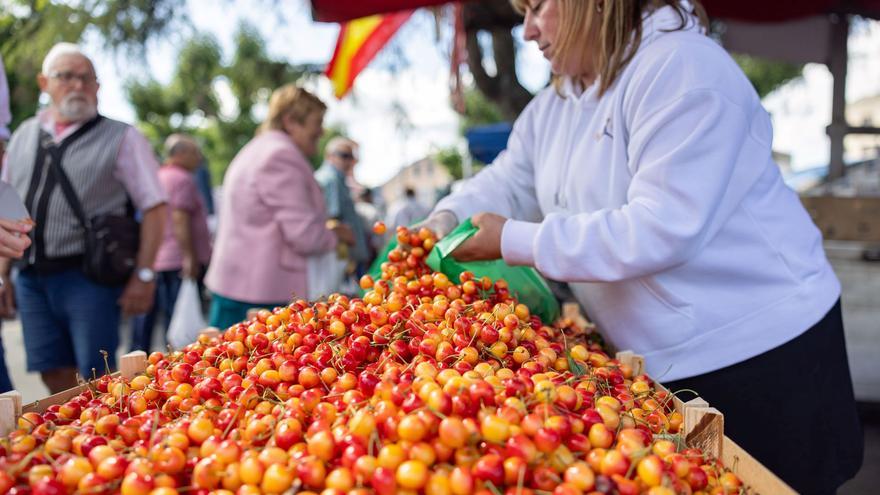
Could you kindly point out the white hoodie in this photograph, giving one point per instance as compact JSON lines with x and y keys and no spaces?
{"x":661,"y":205}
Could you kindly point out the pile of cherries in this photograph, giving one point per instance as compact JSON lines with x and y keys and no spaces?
{"x":423,"y":385}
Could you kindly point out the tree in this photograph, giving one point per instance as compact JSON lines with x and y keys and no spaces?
{"x":479,"y":110}
{"x":500,"y":84}
{"x":450,"y":158}
{"x":191,"y":102}
{"x":29,"y":28}
{"x":767,"y":75}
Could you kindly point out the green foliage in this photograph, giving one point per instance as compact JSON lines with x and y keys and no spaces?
{"x":452,"y":160}
{"x":191,"y":101}
{"x":29,"y":28}
{"x":479,"y":110}
{"x":767,"y":75}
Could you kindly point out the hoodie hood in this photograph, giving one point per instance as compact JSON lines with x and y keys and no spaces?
{"x":666,"y":19}
{"x":655,"y":24}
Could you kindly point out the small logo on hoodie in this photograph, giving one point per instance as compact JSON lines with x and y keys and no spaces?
{"x":606,"y":131}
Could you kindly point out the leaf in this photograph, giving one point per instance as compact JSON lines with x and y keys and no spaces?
{"x":576,"y":368}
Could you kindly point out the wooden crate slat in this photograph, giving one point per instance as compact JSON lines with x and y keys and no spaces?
{"x":59,"y":398}
{"x":8,"y":417}
{"x":752,"y":472}
{"x":133,"y":364}
{"x":635,"y":361}
{"x":15,"y":395}
{"x":704,"y":427}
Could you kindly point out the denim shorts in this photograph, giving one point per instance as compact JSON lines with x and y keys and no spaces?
{"x":67,"y":320}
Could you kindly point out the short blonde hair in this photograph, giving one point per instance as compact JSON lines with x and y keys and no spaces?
{"x":617,"y":34}
{"x":291,"y":101}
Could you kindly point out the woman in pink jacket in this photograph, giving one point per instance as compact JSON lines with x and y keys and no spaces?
{"x":272,"y":215}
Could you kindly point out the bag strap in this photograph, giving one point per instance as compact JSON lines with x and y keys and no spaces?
{"x":56,"y":171}
{"x":63,"y":180}
{"x":67,"y":189}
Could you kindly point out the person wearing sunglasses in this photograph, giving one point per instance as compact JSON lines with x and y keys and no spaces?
{"x":340,"y":158}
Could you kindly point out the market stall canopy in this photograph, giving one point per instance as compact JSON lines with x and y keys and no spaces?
{"x":739,"y":10}
{"x":485,"y":142}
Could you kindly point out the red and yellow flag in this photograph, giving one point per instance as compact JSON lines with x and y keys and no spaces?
{"x":359,"y":41}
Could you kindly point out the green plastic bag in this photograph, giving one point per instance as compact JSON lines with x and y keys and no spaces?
{"x":524,"y":282}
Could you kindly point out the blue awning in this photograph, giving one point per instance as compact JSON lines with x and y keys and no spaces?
{"x":486,"y":141}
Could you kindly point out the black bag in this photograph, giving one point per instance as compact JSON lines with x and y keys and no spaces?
{"x":112,"y":241}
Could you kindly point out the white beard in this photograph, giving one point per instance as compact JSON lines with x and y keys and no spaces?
{"x":76,"y":107}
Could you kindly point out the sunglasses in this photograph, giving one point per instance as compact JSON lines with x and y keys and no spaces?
{"x":345,"y":155}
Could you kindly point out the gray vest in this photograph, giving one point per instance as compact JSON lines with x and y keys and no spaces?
{"x":89,"y":160}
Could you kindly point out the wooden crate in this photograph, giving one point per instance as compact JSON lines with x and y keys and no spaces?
{"x":845,"y":219}
{"x":130,"y":365}
{"x":703,"y":428}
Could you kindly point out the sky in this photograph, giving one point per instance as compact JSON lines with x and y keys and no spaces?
{"x":419,"y":88}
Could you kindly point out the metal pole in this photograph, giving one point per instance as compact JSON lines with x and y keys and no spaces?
{"x":837,"y":63}
{"x":467,"y":165}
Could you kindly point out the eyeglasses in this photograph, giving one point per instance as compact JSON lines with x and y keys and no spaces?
{"x":344,"y":155}
{"x":67,"y":78}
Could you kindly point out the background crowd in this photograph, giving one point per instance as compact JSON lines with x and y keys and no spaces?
{"x":279,"y":222}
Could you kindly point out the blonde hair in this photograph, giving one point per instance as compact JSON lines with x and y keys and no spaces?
{"x":290,"y":101}
{"x":614,"y":31}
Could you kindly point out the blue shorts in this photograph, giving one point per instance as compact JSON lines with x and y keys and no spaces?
{"x":67,"y":320}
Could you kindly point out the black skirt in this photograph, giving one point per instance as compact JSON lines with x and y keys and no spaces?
{"x":792,"y":408}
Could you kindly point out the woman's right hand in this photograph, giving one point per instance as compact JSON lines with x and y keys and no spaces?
{"x":14,"y":237}
{"x":440,"y":222}
{"x":343,"y":233}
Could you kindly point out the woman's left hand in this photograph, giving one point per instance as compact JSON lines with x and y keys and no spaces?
{"x":486,"y":243}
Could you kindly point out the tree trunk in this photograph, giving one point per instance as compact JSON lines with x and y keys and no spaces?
{"x":503,"y":88}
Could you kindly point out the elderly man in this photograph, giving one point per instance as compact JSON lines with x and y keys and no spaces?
{"x":340,"y":159}
{"x":68,"y":318}
{"x":186,"y":243}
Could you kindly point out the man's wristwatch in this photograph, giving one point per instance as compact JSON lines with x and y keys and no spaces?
{"x":146,"y":275}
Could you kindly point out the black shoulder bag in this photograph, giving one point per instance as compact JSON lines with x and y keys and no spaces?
{"x":112,"y":241}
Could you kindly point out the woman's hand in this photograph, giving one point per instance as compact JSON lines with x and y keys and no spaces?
{"x":486,"y":243}
{"x":440,"y":223}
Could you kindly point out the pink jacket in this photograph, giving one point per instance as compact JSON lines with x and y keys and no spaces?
{"x":272,"y":217}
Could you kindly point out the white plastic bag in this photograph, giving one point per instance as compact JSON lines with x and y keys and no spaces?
{"x":187,"y":319}
{"x":324,"y":274}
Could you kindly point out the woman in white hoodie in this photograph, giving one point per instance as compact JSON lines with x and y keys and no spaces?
{"x":644,"y":178}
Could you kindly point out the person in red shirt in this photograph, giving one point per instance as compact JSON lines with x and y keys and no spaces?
{"x":186,"y":244}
